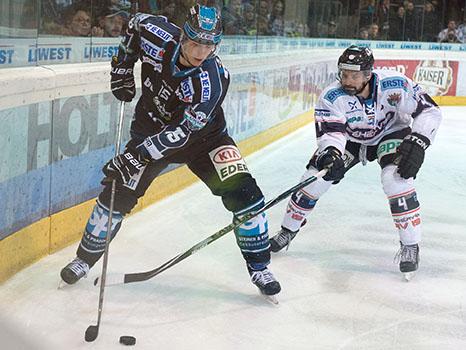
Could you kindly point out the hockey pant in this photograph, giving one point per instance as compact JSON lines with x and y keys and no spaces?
{"x":400,"y":192}
{"x":219,"y":164}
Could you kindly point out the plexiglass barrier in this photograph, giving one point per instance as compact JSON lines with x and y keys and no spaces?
{"x":42,"y":32}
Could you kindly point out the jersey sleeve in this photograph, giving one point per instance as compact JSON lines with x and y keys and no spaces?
{"x":330,"y":123}
{"x":130,"y":45}
{"x":423,"y":109}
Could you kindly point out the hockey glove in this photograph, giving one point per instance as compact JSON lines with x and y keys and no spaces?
{"x":331,"y":159}
{"x":122,"y":81}
{"x":410,"y":155}
{"x":122,"y":167}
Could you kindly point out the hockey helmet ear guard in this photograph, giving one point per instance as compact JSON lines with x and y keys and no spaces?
{"x":203,"y":25}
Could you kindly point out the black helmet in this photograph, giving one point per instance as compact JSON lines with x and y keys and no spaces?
{"x":203,"y":25}
{"x":357,"y":58}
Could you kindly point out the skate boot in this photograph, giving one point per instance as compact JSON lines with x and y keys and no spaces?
{"x":282,"y":239}
{"x":266,"y":282}
{"x":408,"y":257}
{"x":74,"y":271}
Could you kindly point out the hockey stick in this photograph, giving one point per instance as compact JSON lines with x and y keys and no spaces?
{"x":93,"y":331}
{"x":144,"y":276}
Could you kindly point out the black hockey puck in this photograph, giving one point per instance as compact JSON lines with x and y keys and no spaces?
{"x":127,"y":340}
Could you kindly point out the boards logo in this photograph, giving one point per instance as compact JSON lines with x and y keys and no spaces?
{"x":226,"y":154}
{"x":436,"y":77}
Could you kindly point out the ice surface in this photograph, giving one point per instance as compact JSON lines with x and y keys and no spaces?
{"x":341,"y":289}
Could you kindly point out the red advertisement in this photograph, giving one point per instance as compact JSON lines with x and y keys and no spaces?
{"x":437,"y":77}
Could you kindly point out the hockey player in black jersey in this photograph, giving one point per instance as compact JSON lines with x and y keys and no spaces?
{"x":178,"y":119}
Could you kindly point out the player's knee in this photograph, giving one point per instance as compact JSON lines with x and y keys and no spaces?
{"x":125,"y":199}
{"x":393,"y":183}
{"x":243,"y":194}
{"x":317,"y":188}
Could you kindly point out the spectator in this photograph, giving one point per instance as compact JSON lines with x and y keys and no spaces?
{"x":232,"y":19}
{"x":374,"y":32}
{"x":113,"y":23}
{"x":430,"y":26}
{"x":450,"y":34}
{"x":397,"y":25}
{"x":363,"y":34}
{"x":331,"y":30}
{"x":383,"y":17}
{"x":77,"y":22}
{"x":249,"y":16}
{"x":411,"y":21}
{"x":277,"y":21}
{"x":168,"y":10}
{"x":462,"y":30}
{"x":367,"y":14}
{"x":263,"y":24}
{"x":299,"y":30}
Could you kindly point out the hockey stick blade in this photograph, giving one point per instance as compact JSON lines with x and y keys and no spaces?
{"x":115,"y":279}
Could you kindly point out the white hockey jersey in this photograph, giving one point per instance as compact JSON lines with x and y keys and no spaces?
{"x":396,"y":102}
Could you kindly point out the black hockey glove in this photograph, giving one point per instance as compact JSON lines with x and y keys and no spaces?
{"x":122,"y":167}
{"x":122,"y":81}
{"x":410,"y":155}
{"x":331,"y":159}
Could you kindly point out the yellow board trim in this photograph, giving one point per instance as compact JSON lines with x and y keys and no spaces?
{"x":450,"y":100}
{"x":53,"y":233}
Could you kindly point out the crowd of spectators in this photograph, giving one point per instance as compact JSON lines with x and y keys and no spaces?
{"x":397,"y":20}
{"x":409,"y":21}
{"x":259,"y":17}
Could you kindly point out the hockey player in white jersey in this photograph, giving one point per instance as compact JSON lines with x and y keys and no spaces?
{"x":367,"y":115}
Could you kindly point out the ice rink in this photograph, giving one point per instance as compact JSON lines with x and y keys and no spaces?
{"x":340,"y":287}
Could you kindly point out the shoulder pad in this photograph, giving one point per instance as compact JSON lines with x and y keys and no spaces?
{"x":134,"y":22}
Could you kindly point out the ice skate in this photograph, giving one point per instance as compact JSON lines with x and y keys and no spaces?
{"x":265,"y":281}
{"x":408,"y":257}
{"x":74,"y":271}
{"x":282,"y":239}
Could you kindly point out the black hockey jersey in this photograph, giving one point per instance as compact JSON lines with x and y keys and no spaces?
{"x":178,"y":104}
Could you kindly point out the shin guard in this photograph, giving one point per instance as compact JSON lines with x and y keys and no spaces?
{"x":404,"y":205}
{"x":92,"y":244}
{"x":252,"y":238}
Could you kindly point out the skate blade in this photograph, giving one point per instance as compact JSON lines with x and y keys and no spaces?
{"x":62,"y":285}
{"x":272,"y":299}
{"x":408,"y":276}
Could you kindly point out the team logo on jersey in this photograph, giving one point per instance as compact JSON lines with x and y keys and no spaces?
{"x":152,"y":50}
{"x":394,"y":99}
{"x":387,"y":147}
{"x":195,"y":120}
{"x":353,"y":105}
{"x":228,"y":161}
{"x":185,"y":91}
{"x":333,"y":94}
{"x":162,"y":34}
{"x":205,"y":86}
{"x":394,"y":83}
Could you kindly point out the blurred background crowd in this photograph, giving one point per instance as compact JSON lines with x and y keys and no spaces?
{"x":396,"y":20}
